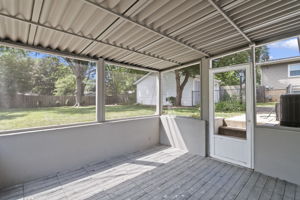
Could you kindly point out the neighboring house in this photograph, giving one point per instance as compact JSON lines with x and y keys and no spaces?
{"x":146,"y":89}
{"x":280,"y":76}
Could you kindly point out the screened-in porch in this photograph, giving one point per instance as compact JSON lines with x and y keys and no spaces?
{"x":160,"y":99}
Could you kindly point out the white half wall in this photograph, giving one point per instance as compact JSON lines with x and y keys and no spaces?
{"x":277,"y":153}
{"x":27,"y":156}
{"x":184,"y":133}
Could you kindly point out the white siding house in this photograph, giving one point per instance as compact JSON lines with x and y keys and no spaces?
{"x":146,"y":89}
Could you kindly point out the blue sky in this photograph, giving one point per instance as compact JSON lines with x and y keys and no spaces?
{"x":283,"y":49}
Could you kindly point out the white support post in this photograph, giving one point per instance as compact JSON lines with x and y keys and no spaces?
{"x":205,"y":89}
{"x":100,"y":90}
{"x":253,"y":101}
{"x":298,"y":38}
{"x":159,"y":102}
{"x":204,"y":73}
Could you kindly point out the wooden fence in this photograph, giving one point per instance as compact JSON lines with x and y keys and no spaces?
{"x":260,"y":94}
{"x":33,"y":101}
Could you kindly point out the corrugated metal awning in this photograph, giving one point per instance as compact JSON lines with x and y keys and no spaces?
{"x":156,"y":34}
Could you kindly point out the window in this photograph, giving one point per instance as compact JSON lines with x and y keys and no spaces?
{"x":294,"y":70}
{"x":181,"y":92}
{"x":278,"y":85}
{"x":233,"y":59}
{"x":38,"y":90}
{"x":129,"y":92}
{"x":282,"y":49}
{"x":274,"y":86}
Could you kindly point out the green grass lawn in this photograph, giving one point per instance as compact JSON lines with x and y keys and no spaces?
{"x":37,"y":117}
{"x":182,"y":111}
{"x":19,"y":118}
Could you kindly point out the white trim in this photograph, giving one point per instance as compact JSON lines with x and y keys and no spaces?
{"x":229,"y":52}
{"x":159,"y":96}
{"x":100,"y":90}
{"x":278,"y":127}
{"x":45,"y":128}
{"x":66,"y":126}
{"x":147,"y":69}
{"x":279,"y":61}
{"x":253,"y":103}
{"x":249,"y":112}
{"x":139,"y":80}
{"x":173,"y":68}
{"x":289,"y":70}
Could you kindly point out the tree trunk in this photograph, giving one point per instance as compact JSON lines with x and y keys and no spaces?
{"x":178,"y":89}
{"x":241,"y":90}
{"x":180,"y":86}
{"x":78,"y":97}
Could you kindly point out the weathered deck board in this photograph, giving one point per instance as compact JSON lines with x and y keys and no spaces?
{"x":155,"y":174}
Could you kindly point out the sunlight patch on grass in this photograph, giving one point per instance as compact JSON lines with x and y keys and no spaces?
{"x":20,"y":118}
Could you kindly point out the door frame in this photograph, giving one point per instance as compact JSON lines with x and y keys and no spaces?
{"x":249,"y":113}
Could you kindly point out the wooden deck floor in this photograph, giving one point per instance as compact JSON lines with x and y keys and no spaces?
{"x":157,"y":173}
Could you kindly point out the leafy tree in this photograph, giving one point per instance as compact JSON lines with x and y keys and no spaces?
{"x":83,"y":71}
{"x":65,"y":86}
{"x":120,"y":80}
{"x":90,"y":87}
{"x":227,"y":78}
{"x":184,"y":73}
{"x":231,"y":78}
{"x":237,"y":77}
{"x":15,"y":73}
{"x":46,"y":72}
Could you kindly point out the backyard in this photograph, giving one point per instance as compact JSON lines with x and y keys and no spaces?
{"x":18,"y":118}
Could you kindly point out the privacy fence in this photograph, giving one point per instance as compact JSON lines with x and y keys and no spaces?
{"x":34,"y":101}
{"x":221,"y":93}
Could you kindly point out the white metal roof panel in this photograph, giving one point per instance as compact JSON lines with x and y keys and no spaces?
{"x":148,"y":33}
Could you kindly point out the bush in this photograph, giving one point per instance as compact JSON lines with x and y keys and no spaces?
{"x":171,"y":100}
{"x":230,"y":106}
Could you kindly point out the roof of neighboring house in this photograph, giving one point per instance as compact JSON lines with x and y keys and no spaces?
{"x":150,"y":73}
{"x":280,"y":61}
{"x":139,"y":80}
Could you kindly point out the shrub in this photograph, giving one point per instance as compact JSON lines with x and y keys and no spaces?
{"x":171,"y":100}
{"x":230,"y":106}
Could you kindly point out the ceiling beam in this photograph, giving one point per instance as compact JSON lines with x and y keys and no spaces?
{"x":174,"y":56}
{"x":36,"y":12}
{"x":189,"y":26}
{"x":87,"y":38}
{"x":145,"y":27}
{"x":219,"y":9}
{"x":70,"y":55}
{"x":298,"y":38}
{"x":254,"y":28}
{"x":188,"y":64}
{"x":106,"y":31}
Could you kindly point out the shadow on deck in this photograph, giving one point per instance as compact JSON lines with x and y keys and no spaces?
{"x":157,"y":173}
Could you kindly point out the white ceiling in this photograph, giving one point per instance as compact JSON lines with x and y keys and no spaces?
{"x":156,"y":34}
